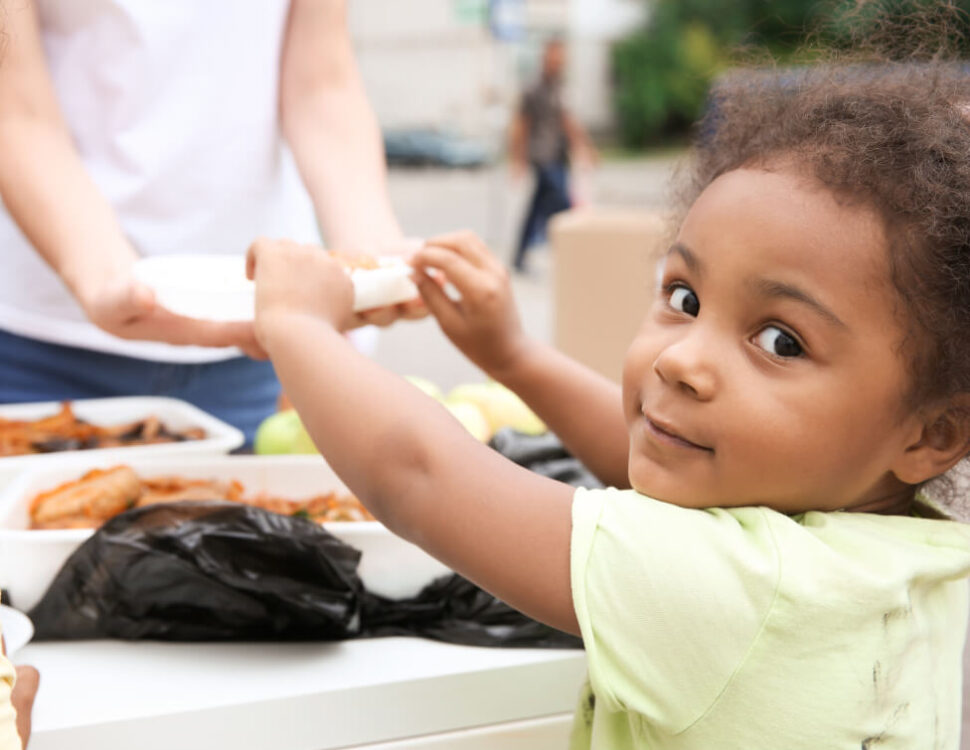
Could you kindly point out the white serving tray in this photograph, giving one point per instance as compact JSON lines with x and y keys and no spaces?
{"x":176,"y":415}
{"x":29,"y":559}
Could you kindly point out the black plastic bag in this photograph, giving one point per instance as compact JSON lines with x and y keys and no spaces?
{"x":212,"y":571}
{"x":544,"y":454}
{"x":198,"y":571}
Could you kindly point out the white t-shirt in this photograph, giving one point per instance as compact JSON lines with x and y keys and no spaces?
{"x":173,"y":107}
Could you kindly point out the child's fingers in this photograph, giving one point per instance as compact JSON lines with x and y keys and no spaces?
{"x":467,"y":244}
{"x":437,"y":301}
{"x":456,"y":268}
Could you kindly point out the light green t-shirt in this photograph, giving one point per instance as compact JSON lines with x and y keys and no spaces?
{"x":746,"y":629}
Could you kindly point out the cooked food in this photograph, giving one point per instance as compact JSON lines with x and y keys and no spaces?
{"x":104,"y":493}
{"x":354,"y":262}
{"x":63,"y":431}
{"x":98,"y":495}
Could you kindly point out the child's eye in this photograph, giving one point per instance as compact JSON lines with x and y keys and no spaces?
{"x":778,"y":342}
{"x":682,"y":299}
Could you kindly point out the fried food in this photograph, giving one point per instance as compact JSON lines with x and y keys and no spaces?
{"x":63,"y":431}
{"x":104,"y":493}
{"x":95,"y":497}
{"x":354,"y":262}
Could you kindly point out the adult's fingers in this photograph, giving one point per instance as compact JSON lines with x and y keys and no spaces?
{"x":413,"y":309}
{"x":379,"y":316}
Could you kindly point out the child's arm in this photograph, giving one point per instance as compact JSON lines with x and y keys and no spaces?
{"x":582,"y":407}
{"x":414,"y":466}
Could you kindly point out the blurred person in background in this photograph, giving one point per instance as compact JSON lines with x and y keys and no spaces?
{"x":545,"y":136}
{"x":132,"y":128}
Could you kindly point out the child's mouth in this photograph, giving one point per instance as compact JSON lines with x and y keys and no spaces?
{"x":665,"y":433}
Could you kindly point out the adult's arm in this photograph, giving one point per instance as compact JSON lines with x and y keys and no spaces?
{"x":332,"y":130}
{"x":60,"y":210}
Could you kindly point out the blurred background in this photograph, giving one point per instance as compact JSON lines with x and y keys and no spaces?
{"x":446,"y":78}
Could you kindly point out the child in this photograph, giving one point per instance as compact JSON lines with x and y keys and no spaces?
{"x":805,"y":368}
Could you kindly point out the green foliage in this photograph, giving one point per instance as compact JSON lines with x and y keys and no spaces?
{"x":662,"y":73}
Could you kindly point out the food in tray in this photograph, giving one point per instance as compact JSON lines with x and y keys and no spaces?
{"x":354,"y":262}
{"x":103,"y":493}
{"x":64,"y":431}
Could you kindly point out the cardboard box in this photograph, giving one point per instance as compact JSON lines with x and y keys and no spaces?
{"x":604,"y":281}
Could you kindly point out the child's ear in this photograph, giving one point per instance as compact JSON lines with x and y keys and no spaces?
{"x":943,"y":441}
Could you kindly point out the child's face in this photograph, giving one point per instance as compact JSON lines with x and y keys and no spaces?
{"x":768,"y":370}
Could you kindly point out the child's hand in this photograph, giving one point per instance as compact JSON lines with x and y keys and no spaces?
{"x":484,"y":323}
{"x":294,"y":280}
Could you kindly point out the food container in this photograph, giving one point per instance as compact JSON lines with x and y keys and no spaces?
{"x":29,"y":559}
{"x":177,"y":415}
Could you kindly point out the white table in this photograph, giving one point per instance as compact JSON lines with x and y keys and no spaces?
{"x":370,"y":693}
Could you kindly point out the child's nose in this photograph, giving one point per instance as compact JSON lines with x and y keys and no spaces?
{"x":688,"y":364}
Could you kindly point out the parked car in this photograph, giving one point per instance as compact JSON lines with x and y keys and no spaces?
{"x":429,"y":147}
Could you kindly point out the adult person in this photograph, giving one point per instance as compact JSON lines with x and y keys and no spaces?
{"x":132,"y":128}
{"x":544,"y":135}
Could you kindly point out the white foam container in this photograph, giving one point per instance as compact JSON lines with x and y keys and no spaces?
{"x":29,"y":559}
{"x":175,"y":414}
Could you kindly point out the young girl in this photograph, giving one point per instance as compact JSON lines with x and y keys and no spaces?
{"x":764,"y":582}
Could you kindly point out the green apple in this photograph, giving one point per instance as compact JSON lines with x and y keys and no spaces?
{"x":501,"y":407}
{"x":471,"y":417}
{"x":425,"y":385}
{"x":283,"y":433}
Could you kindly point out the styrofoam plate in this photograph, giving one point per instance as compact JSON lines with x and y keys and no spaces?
{"x":29,"y":559}
{"x":16,"y":627}
{"x":215,"y":287}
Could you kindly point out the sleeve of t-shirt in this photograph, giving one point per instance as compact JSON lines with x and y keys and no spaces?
{"x":669,"y":600}
{"x":9,"y":739}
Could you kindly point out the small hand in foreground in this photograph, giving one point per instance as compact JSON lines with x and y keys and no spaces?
{"x":294,"y":280}
{"x":124,"y":307}
{"x":23,"y":695}
{"x":484,"y":323}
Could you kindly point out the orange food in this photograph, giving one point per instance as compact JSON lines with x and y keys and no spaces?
{"x":63,"y":431}
{"x":104,"y":493}
{"x":354,"y":262}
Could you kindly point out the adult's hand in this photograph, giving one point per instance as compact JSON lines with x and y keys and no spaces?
{"x":126,"y":308}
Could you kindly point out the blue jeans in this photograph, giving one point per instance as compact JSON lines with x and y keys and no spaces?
{"x":240,"y":391}
{"x":550,"y":197}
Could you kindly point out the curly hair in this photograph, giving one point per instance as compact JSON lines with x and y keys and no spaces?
{"x":889,"y":137}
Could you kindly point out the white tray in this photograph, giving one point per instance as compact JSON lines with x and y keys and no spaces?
{"x":174,"y":414}
{"x":29,"y":559}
